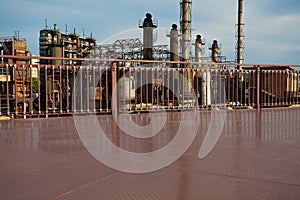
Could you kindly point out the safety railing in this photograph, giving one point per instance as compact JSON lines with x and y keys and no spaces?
{"x":43,"y":90}
{"x":105,"y":86}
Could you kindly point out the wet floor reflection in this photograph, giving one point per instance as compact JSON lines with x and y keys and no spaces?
{"x":262,"y":144}
{"x":274,"y":125}
{"x":55,"y":135}
{"x":257,"y":155}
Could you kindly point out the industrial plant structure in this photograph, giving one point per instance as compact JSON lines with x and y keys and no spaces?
{"x":54,"y":43}
{"x":14,"y":46}
{"x":15,"y":82}
{"x":74,"y":74}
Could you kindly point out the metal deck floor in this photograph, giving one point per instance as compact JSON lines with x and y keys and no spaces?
{"x":256,"y":157}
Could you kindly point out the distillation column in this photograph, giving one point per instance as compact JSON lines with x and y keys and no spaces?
{"x":148,"y":27}
{"x":198,"y":50}
{"x":215,"y":51}
{"x":174,"y":36}
{"x":174,"y":44}
{"x":206,"y":76}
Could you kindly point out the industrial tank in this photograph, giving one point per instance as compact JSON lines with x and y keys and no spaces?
{"x":126,"y":89}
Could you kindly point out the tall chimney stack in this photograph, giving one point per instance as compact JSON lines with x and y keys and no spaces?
{"x":148,"y":27}
{"x":185,"y":22}
{"x":174,"y":44}
{"x":240,"y":46}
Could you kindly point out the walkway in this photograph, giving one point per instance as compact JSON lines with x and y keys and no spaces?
{"x":256,"y":157}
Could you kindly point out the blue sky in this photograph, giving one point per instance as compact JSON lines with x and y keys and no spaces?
{"x":272,"y":27}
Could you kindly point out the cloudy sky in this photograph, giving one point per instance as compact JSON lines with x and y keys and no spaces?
{"x":272,"y":27}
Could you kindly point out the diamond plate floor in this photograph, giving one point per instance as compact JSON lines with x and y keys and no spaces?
{"x":256,"y":157}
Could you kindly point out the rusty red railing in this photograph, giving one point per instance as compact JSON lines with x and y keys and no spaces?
{"x":100,"y":86}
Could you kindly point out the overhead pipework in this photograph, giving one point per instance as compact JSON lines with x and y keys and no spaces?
{"x":185,"y":22}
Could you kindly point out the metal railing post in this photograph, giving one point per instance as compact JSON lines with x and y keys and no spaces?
{"x":114,"y":102}
{"x":258,"y":87}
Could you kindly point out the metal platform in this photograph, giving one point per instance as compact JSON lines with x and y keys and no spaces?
{"x":256,"y":157}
